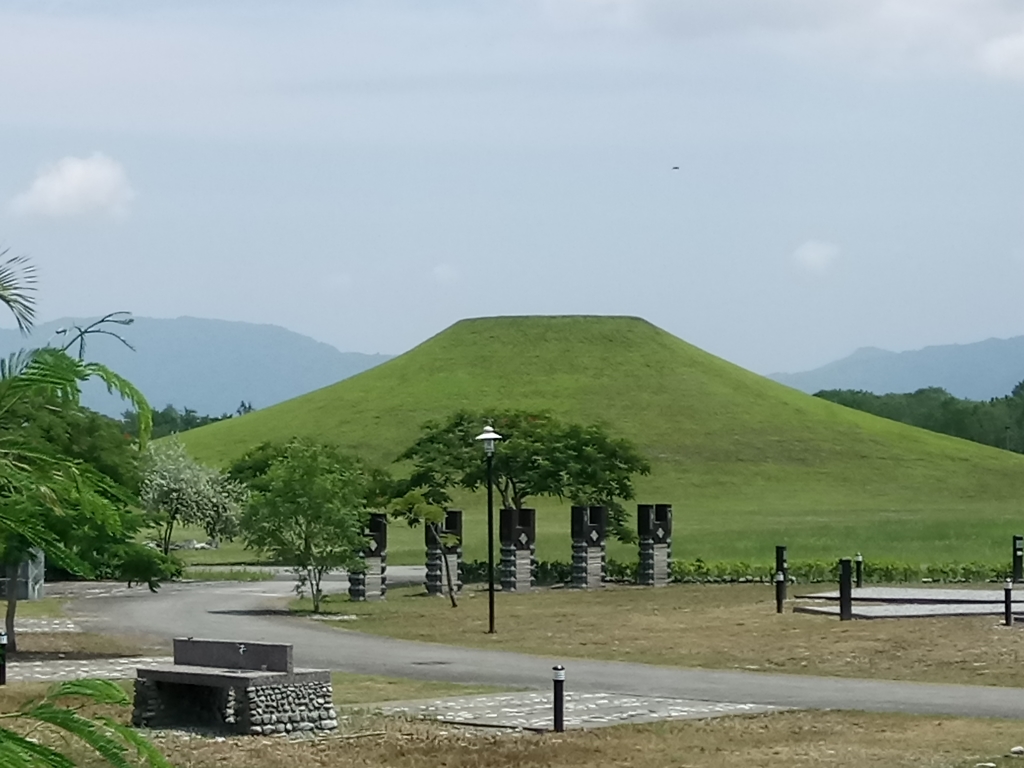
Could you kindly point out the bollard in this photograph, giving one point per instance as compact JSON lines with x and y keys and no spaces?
{"x":780,"y":591}
{"x":845,"y":590}
{"x":1008,"y":603}
{"x":1018,"y":559}
{"x":3,"y":657}
{"x":781,"y":564}
{"x":559,"y":678}
{"x":859,"y":568}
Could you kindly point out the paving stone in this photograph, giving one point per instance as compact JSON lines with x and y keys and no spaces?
{"x":905,"y":610}
{"x":68,"y":669}
{"x":922,"y":595}
{"x":47,"y":626}
{"x":582,"y":710}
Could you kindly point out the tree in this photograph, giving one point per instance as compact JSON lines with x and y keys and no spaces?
{"x":176,"y":489}
{"x":42,"y":488}
{"x":37,"y":482}
{"x":169,"y":421}
{"x":539,"y":456}
{"x":310,"y":512}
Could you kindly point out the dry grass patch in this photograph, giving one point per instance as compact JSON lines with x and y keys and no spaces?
{"x":352,"y":689}
{"x":52,"y":646}
{"x":832,"y":739}
{"x":711,"y":626}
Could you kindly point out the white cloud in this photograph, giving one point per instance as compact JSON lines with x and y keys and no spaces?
{"x":77,"y":186}
{"x":986,"y":36}
{"x":816,"y":255}
{"x":1004,"y":57}
{"x":445,"y":273}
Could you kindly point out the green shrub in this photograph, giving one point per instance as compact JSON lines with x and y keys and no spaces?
{"x":699,"y":571}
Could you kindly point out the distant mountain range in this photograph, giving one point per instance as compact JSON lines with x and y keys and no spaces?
{"x":978,"y":371}
{"x":209,"y":366}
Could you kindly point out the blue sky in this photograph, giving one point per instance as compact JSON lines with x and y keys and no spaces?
{"x":851,"y":173}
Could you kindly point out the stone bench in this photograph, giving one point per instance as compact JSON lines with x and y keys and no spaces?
{"x":242,"y":688}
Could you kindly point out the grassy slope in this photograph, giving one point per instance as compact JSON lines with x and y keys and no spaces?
{"x":746,"y":461}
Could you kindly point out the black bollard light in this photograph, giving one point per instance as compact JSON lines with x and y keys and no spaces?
{"x":859,"y":569}
{"x":845,"y":590}
{"x":781,"y":564}
{"x":559,"y":677}
{"x":1018,"y":559}
{"x":1008,"y":603}
{"x":780,"y":591}
{"x":3,"y":657}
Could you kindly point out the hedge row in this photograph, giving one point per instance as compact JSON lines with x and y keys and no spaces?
{"x":800,"y":571}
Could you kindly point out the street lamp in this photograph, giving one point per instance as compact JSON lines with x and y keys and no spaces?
{"x":489,"y":437}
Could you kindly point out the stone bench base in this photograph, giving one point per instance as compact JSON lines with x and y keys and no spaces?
{"x":237,"y":701}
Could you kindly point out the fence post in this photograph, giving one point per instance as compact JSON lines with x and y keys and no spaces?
{"x":859,"y":563}
{"x":1008,"y":603}
{"x":780,"y":591}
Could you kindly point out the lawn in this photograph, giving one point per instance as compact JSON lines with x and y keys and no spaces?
{"x":47,"y":608}
{"x":747,"y":462}
{"x":712,"y":626}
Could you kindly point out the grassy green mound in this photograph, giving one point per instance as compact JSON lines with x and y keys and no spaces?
{"x":747,"y":462}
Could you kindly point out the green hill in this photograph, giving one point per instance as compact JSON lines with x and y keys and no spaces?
{"x":747,"y":462}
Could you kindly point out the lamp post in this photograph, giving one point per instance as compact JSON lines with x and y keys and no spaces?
{"x":489,"y":437}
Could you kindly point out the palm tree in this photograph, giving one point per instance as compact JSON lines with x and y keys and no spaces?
{"x":31,"y":477}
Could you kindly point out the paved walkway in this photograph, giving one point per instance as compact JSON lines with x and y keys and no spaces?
{"x":64,"y":669}
{"x":239,"y":612}
{"x":45,"y":626}
{"x":533,"y":710}
{"x":921,"y":595}
{"x":911,"y":602}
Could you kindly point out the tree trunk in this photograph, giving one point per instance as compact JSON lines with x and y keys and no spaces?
{"x":168,"y":530}
{"x":447,"y":566}
{"x":314,"y":588}
{"x":12,"y":606}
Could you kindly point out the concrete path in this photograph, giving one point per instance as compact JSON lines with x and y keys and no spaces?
{"x":240,"y":612}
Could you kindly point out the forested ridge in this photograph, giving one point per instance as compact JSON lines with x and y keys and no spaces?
{"x":998,"y":422}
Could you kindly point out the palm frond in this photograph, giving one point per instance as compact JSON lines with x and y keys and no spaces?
{"x":55,"y":372}
{"x":95,"y":734}
{"x":99,"y":691}
{"x":117,"y":384}
{"x":18,"y":752}
{"x":17,"y":289}
{"x":143,"y":746}
{"x":15,"y":363}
